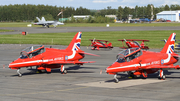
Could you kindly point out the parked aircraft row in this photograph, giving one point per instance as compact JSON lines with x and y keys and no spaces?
{"x":134,"y":61}
{"x":131,"y":43}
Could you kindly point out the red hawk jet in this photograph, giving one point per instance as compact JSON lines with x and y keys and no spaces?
{"x":138,"y":62}
{"x":50,"y":58}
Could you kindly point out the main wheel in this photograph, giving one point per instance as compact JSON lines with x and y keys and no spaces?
{"x":65,"y":71}
{"x":163,"y":77}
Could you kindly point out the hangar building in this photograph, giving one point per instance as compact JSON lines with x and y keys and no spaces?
{"x":169,"y":15}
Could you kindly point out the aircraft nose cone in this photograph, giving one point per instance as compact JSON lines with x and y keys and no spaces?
{"x":10,"y":65}
{"x":108,"y":69}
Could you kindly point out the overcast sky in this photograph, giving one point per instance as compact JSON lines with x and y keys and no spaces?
{"x":93,"y":4}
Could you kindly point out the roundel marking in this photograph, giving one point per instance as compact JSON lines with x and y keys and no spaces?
{"x":66,"y":57}
{"x":162,"y":61}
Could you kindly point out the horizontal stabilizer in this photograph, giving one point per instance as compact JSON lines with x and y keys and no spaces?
{"x":82,"y":52}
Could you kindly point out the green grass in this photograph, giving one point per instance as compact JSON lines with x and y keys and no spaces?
{"x":24,"y":24}
{"x":65,"y":38}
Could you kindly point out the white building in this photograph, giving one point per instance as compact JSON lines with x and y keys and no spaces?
{"x":111,"y":16}
{"x":169,"y":15}
{"x":81,"y":16}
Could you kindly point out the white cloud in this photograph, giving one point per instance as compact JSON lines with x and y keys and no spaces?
{"x":104,"y":1}
{"x":168,"y":2}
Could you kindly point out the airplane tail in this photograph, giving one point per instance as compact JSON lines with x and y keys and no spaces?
{"x":43,"y":19}
{"x":169,"y":46}
{"x":38,"y":19}
{"x":75,"y":43}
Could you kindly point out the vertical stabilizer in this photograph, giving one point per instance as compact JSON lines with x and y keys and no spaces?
{"x":38,"y":19}
{"x":43,"y":19}
{"x":169,"y":46}
{"x":75,"y":43}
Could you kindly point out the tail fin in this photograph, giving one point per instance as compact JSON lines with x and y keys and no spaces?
{"x":169,"y":46}
{"x":75,"y":43}
{"x":38,"y":19}
{"x":43,"y":19}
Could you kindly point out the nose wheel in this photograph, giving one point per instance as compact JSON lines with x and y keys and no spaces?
{"x":19,"y":73}
{"x":115,"y":78}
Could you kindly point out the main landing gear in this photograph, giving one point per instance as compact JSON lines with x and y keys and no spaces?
{"x":63,"y":71}
{"x":161,"y":75}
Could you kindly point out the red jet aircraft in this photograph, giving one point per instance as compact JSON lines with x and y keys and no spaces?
{"x":138,"y":62}
{"x":132,"y":43}
{"x":50,"y":58}
{"x":96,"y":44}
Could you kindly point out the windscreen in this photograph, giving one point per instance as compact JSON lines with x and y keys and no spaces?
{"x":32,"y":51}
{"x":128,"y":54}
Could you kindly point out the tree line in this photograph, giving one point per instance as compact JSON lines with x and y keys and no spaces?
{"x":28,"y":12}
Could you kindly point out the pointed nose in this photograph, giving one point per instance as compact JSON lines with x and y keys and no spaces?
{"x":12,"y":66}
{"x":108,"y":70}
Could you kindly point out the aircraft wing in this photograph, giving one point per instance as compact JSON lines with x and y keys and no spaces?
{"x":70,"y":62}
{"x":133,"y":40}
{"x":46,"y":23}
{"x":137,"y":40}
{"x":162,"y":66}
{"x":99,"y":40}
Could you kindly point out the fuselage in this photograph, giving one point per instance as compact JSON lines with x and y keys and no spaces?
{"x":101,"y":44}
{"x":46,"y":58}
{"x":145,"y":61}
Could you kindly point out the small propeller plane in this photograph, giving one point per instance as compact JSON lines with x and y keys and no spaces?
{"x":96,"y":44}
{"x":138,"y":62}
{"x":50,"y":58}
{"x":176,"y":45}
{"x":132,"y":43}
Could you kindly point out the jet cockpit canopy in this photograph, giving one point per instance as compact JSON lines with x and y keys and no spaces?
{"x":128,"y":54}
{"x":32,"y":51}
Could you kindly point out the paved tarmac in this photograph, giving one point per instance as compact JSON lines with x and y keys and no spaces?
{"x":18,"y":30}
{"x":82,"y":83}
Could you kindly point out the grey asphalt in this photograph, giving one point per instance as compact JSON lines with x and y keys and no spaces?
{"x":18,"y":30}
{"x":82,"y":83}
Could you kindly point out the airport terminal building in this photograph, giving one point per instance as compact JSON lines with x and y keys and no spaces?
{"x":169,"y":15}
